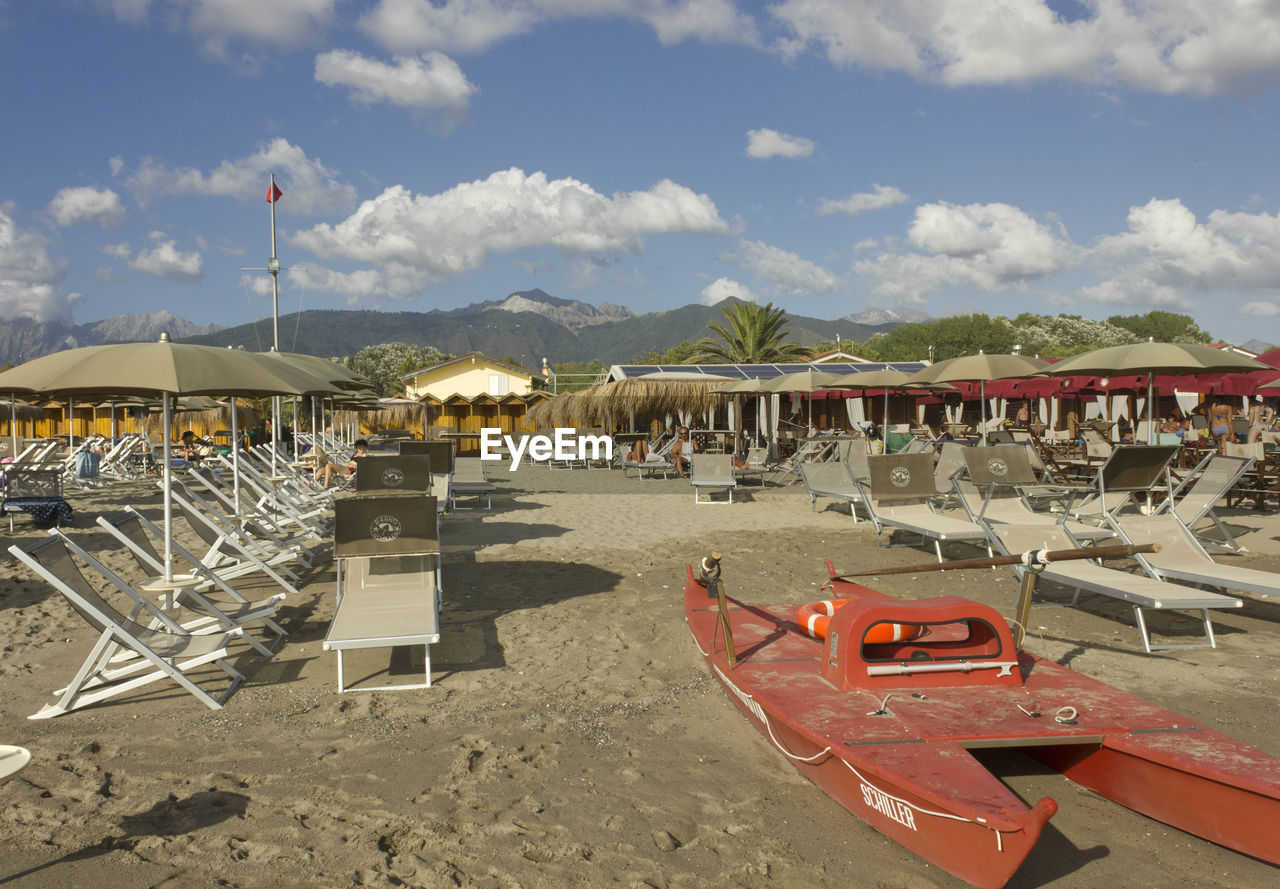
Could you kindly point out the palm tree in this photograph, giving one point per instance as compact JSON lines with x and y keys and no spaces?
{"x":754,"y":336}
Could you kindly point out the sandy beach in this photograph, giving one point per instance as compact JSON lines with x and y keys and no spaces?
{"x":573,"y":736}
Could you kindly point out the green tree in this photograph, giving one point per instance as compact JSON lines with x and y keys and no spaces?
{"x":572,"y":376}
{"x":949,"y":337}
{"x":755,"y":334}
{"x":685,"y":352}
{"x":385,"y":363}
{"x":1164,"y":327}
{"x":1062,"y":336}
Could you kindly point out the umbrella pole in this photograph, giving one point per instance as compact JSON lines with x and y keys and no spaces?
{"x":982,"y":409}
{"x":168,"y":495}
{"x":1151,"y":424}
{"x":71,"y":424}
{"x":235,"y":455}
{"x":13,"y":423}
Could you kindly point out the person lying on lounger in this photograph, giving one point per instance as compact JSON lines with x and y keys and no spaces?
{"x":329,"y":470}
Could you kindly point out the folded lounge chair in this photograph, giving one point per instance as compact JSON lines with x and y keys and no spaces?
{"x":710,"y":473}
{"x":169,"y":652}
{"x":1139,"y":591}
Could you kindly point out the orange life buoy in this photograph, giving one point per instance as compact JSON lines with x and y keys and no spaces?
{"x":814,"y":618}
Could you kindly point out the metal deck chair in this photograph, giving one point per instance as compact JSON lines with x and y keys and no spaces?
{"x":228,"y":554}
{"x":131,"y":529}
{"x":1195,"y":498}
{"x":169,"y":652}
{"x":898,"y":497}
{"x":1000,"y":473}
{"x":1183,"y":558}
{"x":710,"y":473}
{"x":1131,"y":469}
{"x":387,"y":549}
{"x":1140,"y":591}
{"x":471,"y":479}
{"x":831,"y":479}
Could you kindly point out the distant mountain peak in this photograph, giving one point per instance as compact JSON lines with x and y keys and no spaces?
{"x":572,"y":313}
{"x":875,"y":316}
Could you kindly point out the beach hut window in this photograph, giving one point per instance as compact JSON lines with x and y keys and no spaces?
{"x":498,"y":385}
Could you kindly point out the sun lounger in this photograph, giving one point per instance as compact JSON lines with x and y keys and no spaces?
{"x":831,"y":479}
{"x":442,"y":464}
{"x":387,"y":548}
{"x":711,"y":473}
{"x":1000,"y":473}
{"x":470,"y":480}
{"x":168,"y":652}
{"x":1139,"y":591}
{"x":1194,"y":500}
{"x":898,"y":498}
{"x":1130,"y":470}
{"x":1184,"y":559}
{"x":229,"y":553}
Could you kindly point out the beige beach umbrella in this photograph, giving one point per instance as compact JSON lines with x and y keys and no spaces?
{"x":981,"y":369}
{"x":161,"y":369}
{"x":1152,"y":358}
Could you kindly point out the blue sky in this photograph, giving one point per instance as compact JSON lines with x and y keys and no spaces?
{"x":1099,"y":158}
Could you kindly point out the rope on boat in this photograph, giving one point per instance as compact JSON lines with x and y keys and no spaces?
{"x":751,"y":704}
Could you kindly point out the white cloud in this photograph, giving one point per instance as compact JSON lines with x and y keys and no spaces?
{"x":418,"y":239}
{"x":787,"y":271}
{"x":165,"y":260}
{"x":722,"y":288}
{"x":87,"y":204}
{"x":883,"y":196}
{"x":991,"y":245}
{"x":29,"y":273}
{"x":467,"y":26}
{"x":422,"y":83}
{"x":766,"y":143}
{"x":1169,"y":47}
{"x":119,"y":251}
{"x":1166,"y":247}
{"x":309,"y":186}
{"x":218,"y":24}
{"x":1260,"y":309}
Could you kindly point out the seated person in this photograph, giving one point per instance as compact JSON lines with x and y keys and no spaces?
{"x":329,"y":470}
{"x":682,"y":452}
{"x":639,"y":451}
{"x":1173,"y":426}
{"x":188,"y":450}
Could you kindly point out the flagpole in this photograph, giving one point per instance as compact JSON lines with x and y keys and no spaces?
{"x":273,"y":266}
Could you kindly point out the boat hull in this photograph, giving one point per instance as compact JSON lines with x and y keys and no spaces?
{"x":889,"y":738}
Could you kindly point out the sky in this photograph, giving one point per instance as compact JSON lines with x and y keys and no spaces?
{"x":1097,"y":157}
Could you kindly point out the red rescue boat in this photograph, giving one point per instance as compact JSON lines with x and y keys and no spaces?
{"x":885,"y":728}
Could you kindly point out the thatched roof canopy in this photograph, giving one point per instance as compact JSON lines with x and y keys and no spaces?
{"x":653,"y":395}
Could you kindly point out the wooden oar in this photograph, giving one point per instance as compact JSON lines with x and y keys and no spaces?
{"x":1031,"y":558}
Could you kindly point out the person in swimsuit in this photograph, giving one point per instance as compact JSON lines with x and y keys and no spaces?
{"x":682,"y":452}
{"x":1220,"y":423}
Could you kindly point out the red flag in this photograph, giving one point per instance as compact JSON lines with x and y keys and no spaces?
{"x":274,"y":194}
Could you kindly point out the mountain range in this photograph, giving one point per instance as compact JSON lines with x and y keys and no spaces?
{"x":526,"y":326}
{"x":22,"y":339}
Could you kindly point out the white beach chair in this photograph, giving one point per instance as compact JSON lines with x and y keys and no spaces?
{"x":168,"y":652}
{"x":899,"y":496}
{"x":711,"y":473}
{"x":831,"y":479}
{"x":1141,"y":592}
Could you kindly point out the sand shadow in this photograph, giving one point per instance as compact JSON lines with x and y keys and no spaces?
{"x":1055,"y":857}
{"x":166,"y":818}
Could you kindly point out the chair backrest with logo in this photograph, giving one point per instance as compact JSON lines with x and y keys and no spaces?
{"x":385,"y":524}
{"x":390,"y":472}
